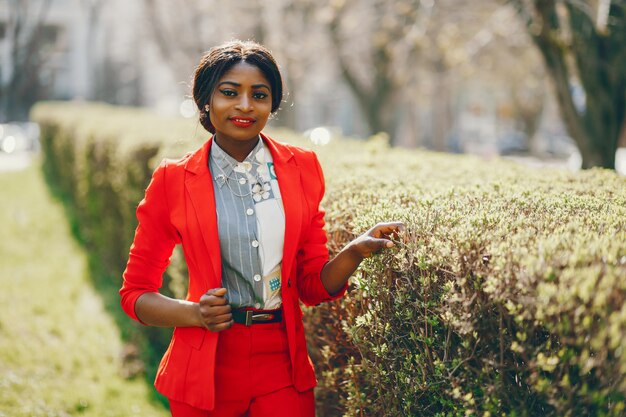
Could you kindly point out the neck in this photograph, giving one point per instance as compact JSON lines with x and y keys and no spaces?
{"x":239,"y":150}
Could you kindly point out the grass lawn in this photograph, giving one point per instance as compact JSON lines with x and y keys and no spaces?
{"x":60,"y":351}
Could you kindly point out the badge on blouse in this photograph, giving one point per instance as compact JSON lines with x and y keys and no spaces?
{"x":271,"y":289}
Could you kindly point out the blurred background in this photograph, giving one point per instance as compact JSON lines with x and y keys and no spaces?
{"x":541,"y":81}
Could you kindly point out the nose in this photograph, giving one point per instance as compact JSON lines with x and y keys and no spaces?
{"x":245,"y":103}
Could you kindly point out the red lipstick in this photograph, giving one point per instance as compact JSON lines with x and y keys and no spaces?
{"x":242,"y":121}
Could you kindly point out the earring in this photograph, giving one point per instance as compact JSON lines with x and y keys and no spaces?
{"x":206,"y":108}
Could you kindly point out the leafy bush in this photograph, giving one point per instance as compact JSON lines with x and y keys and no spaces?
{"x":505,"y":295}
{"x":100,"y":158}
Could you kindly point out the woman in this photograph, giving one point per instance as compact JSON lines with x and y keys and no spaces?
{"x":246,"y":210}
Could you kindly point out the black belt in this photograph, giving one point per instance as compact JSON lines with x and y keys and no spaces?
{"x":249,"y":317}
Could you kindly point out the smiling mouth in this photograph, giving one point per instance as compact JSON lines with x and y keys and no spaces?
{"x":242,"y":121}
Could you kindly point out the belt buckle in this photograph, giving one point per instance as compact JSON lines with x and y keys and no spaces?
{"x":262,"y":317}
{"x":249,"y":317}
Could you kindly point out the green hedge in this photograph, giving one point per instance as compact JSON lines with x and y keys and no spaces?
{"x":505,"y":296}
{"x":99,"y":159}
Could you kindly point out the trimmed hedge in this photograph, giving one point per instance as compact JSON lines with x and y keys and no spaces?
{"x":99,"y":158}
{"x":505,"y":295}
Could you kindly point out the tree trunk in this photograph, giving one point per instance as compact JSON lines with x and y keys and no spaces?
{"x":375,"y":102}
{"x":442,"y":114}
{"x":27,"y":52}
{"x":379,"y":116}
{"x":622,"y":137}
{"x":559,"y":74}
{"x":598,"y":62}
{"x":374,"y":105}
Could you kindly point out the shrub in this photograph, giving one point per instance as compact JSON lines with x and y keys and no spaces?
{"x":100,"y":158}
{"x":504,"y":296}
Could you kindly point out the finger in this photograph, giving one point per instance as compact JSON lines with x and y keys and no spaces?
{"x":217,"y":292}
{"x":220,"y":327}
{"x":208,"y":310}
{"x":212,"y":300}
{"x":380,"y":244}
{"x":382,"y":229}
{"x":222,"y":318}
{"x":213,"y":294}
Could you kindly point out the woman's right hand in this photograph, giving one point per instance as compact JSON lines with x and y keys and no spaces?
{"x":215,"y":312}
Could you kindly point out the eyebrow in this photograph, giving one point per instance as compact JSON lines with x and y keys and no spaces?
{"x":261,"y":85}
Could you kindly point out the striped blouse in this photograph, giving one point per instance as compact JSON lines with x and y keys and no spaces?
{"x":251,"y":226}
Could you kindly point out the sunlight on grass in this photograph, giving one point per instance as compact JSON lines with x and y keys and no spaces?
{"x":60,"y":351}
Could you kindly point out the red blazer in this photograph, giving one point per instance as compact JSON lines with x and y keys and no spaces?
{"x":179,"y":207}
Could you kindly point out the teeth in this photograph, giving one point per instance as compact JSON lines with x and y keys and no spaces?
{"x":243,"y":121}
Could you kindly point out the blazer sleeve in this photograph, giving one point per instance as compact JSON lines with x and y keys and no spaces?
{"x":313,"y":253}
{"x":151,"y":250}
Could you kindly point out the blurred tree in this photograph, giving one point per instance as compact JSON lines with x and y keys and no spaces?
{"x":28,"y":44}
{"x":93,"y":12}
{"x":184,"y":29}
{"x":403,"y":59}
{"x":373,"y":41}
{"x":181,"y":30}
{"x":583,"y":44}
{"x":502,"y":51}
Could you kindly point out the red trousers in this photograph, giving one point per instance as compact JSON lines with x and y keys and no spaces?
{"x":253,"y":377}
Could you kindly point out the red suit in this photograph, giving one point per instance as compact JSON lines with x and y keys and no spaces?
{"x":179,"y":207}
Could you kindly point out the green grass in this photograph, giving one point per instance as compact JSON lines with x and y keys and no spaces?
{"x":60,"y":351}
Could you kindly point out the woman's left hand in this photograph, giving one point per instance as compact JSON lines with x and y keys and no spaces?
{"x":336,"y":272}
{"x":375,"y":239}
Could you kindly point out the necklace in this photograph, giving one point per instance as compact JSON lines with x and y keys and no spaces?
{"x":243,"y":167}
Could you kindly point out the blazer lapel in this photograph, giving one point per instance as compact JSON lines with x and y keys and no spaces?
{"x":199,"y":188}
{"x":288,"y":174}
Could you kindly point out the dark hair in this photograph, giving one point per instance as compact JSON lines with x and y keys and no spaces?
{"x":218,"y":60}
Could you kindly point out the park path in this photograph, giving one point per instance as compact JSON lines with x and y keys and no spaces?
{"x":60,"y":351}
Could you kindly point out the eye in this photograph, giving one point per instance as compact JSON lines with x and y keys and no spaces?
{"x":228,"y":93}
{"x":259,"y":95}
